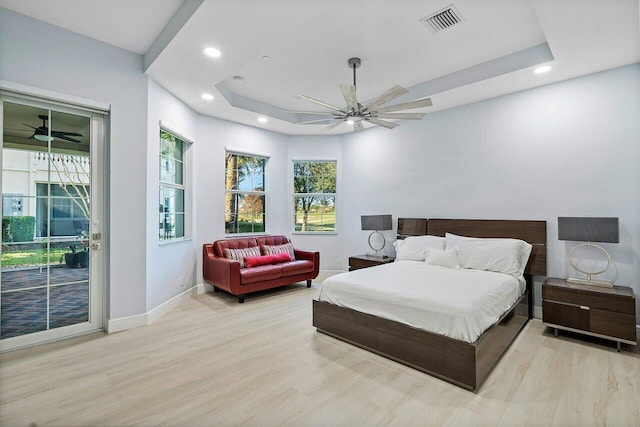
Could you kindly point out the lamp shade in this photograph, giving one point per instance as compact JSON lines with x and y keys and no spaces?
{"x":376,"y":222}
{"x":588,"y":229}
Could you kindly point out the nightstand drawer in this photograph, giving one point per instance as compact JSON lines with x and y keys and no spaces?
{"x":569,"y":315}
{"x":356,"y":263}
{"x":597,"y":311}
{"x":610,"y":323}
{"x":591,"y":299}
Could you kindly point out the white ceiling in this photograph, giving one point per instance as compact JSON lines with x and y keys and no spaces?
{"x":491,"y":53}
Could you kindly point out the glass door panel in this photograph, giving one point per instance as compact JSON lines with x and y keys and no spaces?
{"x":46,"y":280}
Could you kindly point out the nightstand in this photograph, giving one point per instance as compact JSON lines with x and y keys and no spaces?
{"x":601,"y":312}
{"x":357,"y":262}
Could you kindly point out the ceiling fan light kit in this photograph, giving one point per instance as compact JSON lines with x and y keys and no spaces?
{"x":355,"y":113}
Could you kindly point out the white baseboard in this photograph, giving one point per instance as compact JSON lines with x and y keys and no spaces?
{"x":144,"y":319}
{"x":537,"y":312}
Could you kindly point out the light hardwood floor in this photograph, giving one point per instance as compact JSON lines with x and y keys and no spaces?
{"x":214,"y":362}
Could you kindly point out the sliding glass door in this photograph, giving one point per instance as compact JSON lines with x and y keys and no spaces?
{"x":51,"y":282}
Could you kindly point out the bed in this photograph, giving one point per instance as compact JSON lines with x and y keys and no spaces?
{"x":450,"y":355}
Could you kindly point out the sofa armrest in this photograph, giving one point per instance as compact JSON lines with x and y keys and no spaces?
{"x":220,"y":272}
{"x":310,"y":256}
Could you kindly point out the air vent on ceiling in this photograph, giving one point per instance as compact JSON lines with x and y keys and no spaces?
{"x":443,"y":19}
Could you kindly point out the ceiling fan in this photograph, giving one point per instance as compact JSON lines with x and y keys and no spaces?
{"x":41,"y":133}
{"x":355,"y":113}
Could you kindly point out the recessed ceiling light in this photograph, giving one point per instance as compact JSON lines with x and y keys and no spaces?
{"x":238,"y":80}
{"x":262,"y":119}
{"x":212,"y":52}
{"x":542,"y":69}
{"x":207,"y":96}
{"x":266,"y":58}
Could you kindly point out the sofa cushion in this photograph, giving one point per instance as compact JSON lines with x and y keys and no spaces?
{"x":238,"y":243}
{"x":296,"y":267}
{"x":241,"y":254}
{"x":260,"y":273}
{"x":272,"y":240}
{"x":255,"y":261}
{"x":271,"y":250}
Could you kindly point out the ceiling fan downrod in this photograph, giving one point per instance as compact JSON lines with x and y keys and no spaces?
{"x":354,"y":63}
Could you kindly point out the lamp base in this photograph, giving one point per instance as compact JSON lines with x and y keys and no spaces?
{"x":377,"y":256}
{"x":598,"y":283}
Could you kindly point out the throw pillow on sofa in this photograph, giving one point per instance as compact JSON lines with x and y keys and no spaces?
{"x":255,"y":261}
{"x":241,"y":254}
{"x":272,"y":250}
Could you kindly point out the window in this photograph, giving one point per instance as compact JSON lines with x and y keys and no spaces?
{"x":314,"y":196}
{"x":244,"y":207}
{"x":172,"y":186}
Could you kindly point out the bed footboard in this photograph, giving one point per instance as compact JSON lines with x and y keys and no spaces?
{"x":458,"y":362}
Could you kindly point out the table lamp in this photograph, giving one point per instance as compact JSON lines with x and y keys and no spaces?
{"x":376,"y":239}
{"x":589,"y":230}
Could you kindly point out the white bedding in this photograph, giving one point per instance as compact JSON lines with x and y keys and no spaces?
{"x":458,"y":303}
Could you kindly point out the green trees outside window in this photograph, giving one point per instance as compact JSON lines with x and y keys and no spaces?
{"x":244,"y":194}
{"x":314,"y":196}
{"x":172,"y":186}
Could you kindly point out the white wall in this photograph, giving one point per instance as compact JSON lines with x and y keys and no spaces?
{"x":171,"y":268}
{"x":43,"y":56}
{"x":567,"y":149}
{"x":213,"y":136}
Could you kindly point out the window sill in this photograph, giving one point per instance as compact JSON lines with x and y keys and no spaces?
{"x":316,"y":233}
{"x":174,"y":241}
{"x":241,"y":235}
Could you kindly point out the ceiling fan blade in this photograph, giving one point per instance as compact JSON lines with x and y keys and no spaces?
{"x":357,"y":126}
{"x":392,"y":93}
{"x":66,"y":138}
{"x":349,"y":93}
{"x":310,"y":112}
{"x":32,"y":127}
{"x":331,"y":126}
{"x":383,"y":123}
{"x":60,"y":134}
{"x":324,"y":104}
{"x":406,"y":106}
{"x":410,"y":116}
{"x":326,"y":119}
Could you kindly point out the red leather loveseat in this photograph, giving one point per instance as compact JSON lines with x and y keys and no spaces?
{"x":223,"y":272}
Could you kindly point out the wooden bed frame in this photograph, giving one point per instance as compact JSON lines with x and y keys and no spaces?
{"x":461,"y":363}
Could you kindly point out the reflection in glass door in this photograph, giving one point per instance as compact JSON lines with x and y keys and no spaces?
{"x":49,"y":287}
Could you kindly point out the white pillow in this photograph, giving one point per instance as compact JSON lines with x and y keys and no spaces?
{"x":448,"y":258}
{"x":414,"y":247}
{"x":407,"y":252}
{"x":509,"y":256}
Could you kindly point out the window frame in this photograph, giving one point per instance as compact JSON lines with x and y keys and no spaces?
{"x":261,"y":193}
{"x":295,"y":195}
{"x":184,"y":186}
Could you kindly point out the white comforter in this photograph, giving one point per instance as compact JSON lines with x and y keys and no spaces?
{"x":460,"y":304}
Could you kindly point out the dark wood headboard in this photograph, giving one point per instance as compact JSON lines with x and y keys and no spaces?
{"x":532,"y":232}
{"x":411,"y":227}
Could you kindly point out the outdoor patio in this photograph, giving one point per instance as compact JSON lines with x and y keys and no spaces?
{"x":24,"y":299}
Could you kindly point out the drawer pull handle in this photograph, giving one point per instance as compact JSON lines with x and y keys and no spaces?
{"x":584,"y":307}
